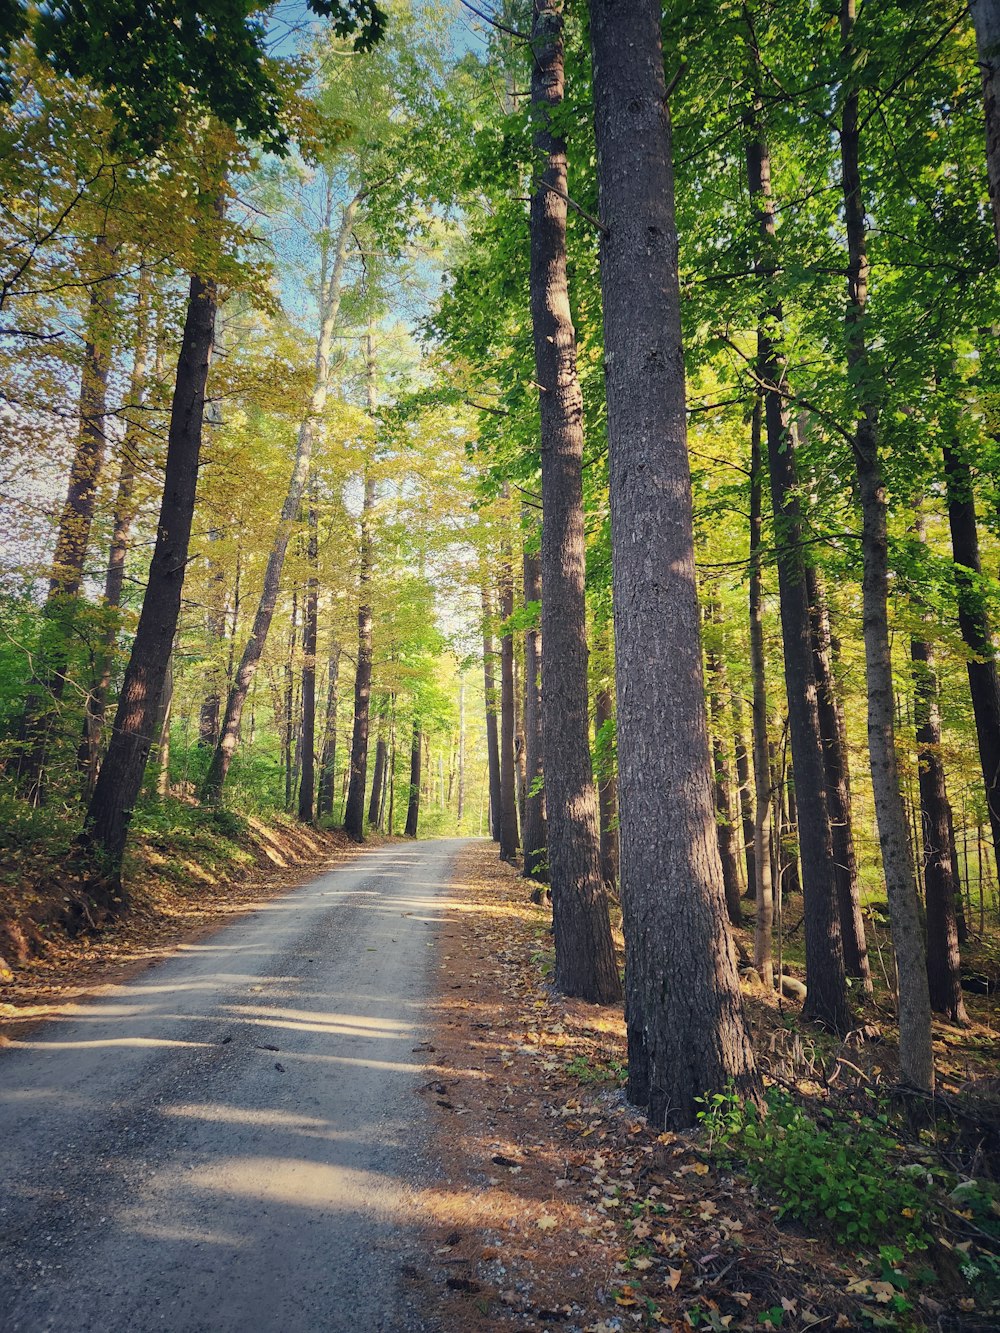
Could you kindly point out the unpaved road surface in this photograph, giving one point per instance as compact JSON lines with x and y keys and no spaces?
{"x":232,"y":1141}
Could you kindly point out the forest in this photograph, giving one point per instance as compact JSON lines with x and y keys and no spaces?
{"x":574,"y":425}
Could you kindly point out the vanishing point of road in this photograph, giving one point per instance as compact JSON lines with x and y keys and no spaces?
{"x":232,"y":1141}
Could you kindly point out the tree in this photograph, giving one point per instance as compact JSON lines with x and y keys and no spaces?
{"x":585,"y":961}
{"x":684,"y":1013}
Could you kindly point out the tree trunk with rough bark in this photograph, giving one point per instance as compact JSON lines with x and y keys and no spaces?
{"x":838,"y":790}
{"x":120,"y":779}
{"x":328,"y":755}
{"x":826,"y":1001}
{"x":684,"y":1012}
{"x":329,"y":310}
{"x":986,"y":21}
{"x":413,"y":801}
{"x":915,"y":1051}
{"x":973,"y":621}
{"x":508,"y":796}
{"x":763,"y":874}
{"x":492,"y":731}
{"x":533,"y":834}
{"x":310,"y":623}
{"x":585,"y":957}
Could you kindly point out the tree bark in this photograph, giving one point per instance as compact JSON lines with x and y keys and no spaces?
{"x":124,"y":516}
{"x":328,"y":755}
{"x":725,"y":821}
{"x":974,"y":624}
{"x":378,"y":780}
{"x":307,"y":778}
{"x":413,"y":801}
{"x":354,"y":811}
{"x":508,"y":799}
{"x":826,"y":1001}
{"x":585,"y":957}
{"x":763,"y":875}
{"x":120,"y":779}
{"x":533,"y":835}
{"x":941,"y":891}
{"x":329,"y":310}
{"x":986,"y":21}
{"x":684,"y":1011}
{"x":915,"y":1052}
{"x":838,"y":790}
{"x":492,"y":732}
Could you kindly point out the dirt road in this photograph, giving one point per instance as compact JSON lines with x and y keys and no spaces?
{"x":232,"y":1140}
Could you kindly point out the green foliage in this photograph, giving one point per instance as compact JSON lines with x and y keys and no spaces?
{"x":597,"y":1071}
{"x":843,"y":1172}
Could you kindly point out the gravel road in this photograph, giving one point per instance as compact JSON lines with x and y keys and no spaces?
{"x":232,"y":1141}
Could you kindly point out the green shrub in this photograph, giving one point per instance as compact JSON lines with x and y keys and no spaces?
{"x":843,"y":1173}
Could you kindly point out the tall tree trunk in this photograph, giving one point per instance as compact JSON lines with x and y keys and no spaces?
{"x":742,"y":756}
{"x":585,"y":957}
{"x":763,"y":874}
{"x":460,"y":812}
{"x":974,"y":624}
{"x":328,"y":755}
{"x":413,"y":801}
{"x":490,"y":695}
{"x":826,"y":1000}
{"x":838,"y":790}
{"x":508,"y":796}
{"x":941,"y":890}
{"x":378,"y":780}
{"x":307,"y":780}
{"x":533,"y":834}
{"x":684,"y":1011}
{"x":72,"y":535}
{"x":915,"y":1053}
{"x":725,"y":821}
{"x":120,"y":779}
{"x":986,"y":21}
{"x":354,"y":811}
{"x":329,"y":310}
{"x":124,"y":516}
{"x":607,"y":795}
{"x":210,"y":712}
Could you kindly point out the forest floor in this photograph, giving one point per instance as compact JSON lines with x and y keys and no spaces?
{"x":566,"y":1211}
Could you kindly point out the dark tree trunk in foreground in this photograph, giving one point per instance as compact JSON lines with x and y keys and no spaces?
{"x":974,"y":624}
{"x":229,"y":735}
{"x":763,"y":874}
{"x":413,"y":801}
{"x":508,"y":796}
{"x":838,"y":790}
{"x":944,"y":975}
{"x":986,"y":20}
{"x":826,"y":1000}
{"x":684,"y":1011}
{"x":307,"y":777}
{"x":354,"y":811}
{"x":533,"y":836}
{"x":916,"y":1056}
{"x":492,"y":732}
{"x":120,"y":778}
{"x":585,"y":956}
{"x":328,"y":755}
